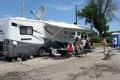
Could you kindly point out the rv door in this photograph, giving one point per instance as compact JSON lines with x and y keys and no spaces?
{"x":1,"y":36}
{"x":1,"y":41}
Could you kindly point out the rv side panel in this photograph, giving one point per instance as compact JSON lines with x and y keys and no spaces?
{"x":16,"y":44}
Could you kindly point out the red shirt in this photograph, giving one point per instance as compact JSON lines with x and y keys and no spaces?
{"x":70,"y":48}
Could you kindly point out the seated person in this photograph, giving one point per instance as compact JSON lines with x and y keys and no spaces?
{"x":70,"y":48}
{"x":78,"y":49}
{"x":92,"y":47}
{"x":87,"y":46}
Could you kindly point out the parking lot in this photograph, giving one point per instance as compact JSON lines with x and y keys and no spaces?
{"x":91,"y":67}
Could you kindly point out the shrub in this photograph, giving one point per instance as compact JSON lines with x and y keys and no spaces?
{"x":98,"y":39}
{"x":95,"y":39}
{"x":108,"y":39}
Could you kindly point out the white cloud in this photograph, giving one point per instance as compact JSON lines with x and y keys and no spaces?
{"x":61,"y":7}
{"x":64,"y":8}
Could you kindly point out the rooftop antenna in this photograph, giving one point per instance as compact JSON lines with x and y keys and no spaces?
{"x":39,"y":13}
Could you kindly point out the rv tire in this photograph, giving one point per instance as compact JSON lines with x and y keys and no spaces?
{"x":9,"y":58}
{"x":41,"y":51}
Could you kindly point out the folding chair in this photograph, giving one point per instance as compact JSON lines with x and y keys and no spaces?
{"x":55,"y":53}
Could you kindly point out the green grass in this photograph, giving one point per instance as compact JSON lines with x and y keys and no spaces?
{"x":99,"y":44}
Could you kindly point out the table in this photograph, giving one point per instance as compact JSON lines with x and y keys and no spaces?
{"x":63,"y":52}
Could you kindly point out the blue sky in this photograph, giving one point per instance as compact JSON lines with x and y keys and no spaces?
{"x":58,"y":10}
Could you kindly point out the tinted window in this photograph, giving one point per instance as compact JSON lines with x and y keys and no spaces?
{"x":26,"y":30}
{"x":65,"y":32}
{"x":78,"y":33}
{"x":13,"y":24}
{"x":71,"y":33}
{"x":1,"y":30}
{"x":29,"y":30}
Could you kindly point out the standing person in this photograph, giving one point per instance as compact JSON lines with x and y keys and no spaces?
{"x":104,"y":43}
{"x":83,"y":42}
{"x":114,"y":41}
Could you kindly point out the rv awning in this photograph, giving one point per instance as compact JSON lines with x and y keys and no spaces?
{"x":64,"y":25}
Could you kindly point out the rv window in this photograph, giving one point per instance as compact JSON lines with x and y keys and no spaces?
{"x":13,"y":24}
{"x":78,"y":33}
{"x":1,"y":30}
{"x":29,"y":30}
{"x":71,"y":33}
{"x":26,"y":30}
{"x":65,"y":32}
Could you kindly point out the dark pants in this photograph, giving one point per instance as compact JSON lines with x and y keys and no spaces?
{"x":114,"y":45}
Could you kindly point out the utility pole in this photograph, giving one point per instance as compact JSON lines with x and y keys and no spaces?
{"x":75,"y":14}
{"x":22,"y":8}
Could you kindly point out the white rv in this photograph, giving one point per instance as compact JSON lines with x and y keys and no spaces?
{"x":24,"y":37}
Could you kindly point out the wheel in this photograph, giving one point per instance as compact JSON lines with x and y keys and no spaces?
{"x":9,"y":59}
{"x":41,"y":51}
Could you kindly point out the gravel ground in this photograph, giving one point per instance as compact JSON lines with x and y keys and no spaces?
{"x":91,"y":67}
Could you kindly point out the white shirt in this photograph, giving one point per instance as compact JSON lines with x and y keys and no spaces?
{"x":83,"y":42}
{"x":115,"y":40}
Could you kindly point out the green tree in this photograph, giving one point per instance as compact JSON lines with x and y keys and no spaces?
{"x":98,"y":13}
